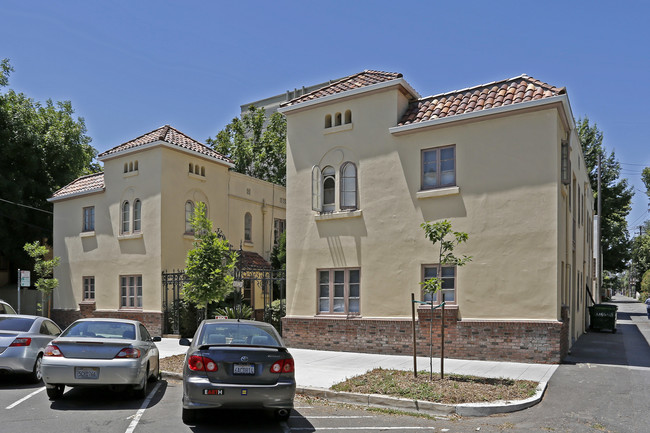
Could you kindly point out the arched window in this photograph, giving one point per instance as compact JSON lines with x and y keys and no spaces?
{"x":135,"y":165}
{"x":248,"y":227}
{"x":348,"y":186}
{"x":329,"y":189}
{"x":328,"y":121}
{"x":126,"y":167}
{"x":197,"y":170}
{"x":191,"y":168}
{"x":348,"y":117}
{"x":337,"y":119}
{"x":131,"y":166}
{"x":126,"y":216}
{"x":189,"y":215}
{"x":137,"y":215}
{"x":203,"y":171}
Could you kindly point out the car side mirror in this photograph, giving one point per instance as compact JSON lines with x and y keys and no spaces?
{"x":184,"y":342}
{"x":156,"y":339}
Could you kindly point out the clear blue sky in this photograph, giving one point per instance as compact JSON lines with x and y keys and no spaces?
{"x":131,"y":66}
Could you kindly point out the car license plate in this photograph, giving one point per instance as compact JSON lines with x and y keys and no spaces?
{"x":213,"y":392}
{"x":86,"y":373}
{"x":244,"y":369}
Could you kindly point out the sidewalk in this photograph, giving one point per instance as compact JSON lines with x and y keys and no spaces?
{"x":318,"y":370}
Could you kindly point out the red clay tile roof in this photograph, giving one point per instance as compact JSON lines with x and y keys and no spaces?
{"x":483,"y":97}
{"x":169,"y":135}
{"x":356,"y":81}
{"x":251,"y":259}
{"x":81,"y":185}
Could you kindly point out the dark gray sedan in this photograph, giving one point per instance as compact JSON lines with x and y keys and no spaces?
{"x":238,"y":364}
{"x":22,"y":342}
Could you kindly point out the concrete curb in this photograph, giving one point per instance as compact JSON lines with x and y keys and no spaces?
{"x":427,"y":407}
{"x":407,"y":405}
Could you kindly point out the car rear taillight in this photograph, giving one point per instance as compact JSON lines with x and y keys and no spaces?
{"x":52,"y":350}
{"x":283,"y":366}
{"x":128,"y":352}
{"x":201,"y":363}
{"x":20,"y":342}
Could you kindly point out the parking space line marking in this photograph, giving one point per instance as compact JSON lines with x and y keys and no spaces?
{"x":140,"y":412}
{"x":11,"y":406}
{"x":372,"y":428}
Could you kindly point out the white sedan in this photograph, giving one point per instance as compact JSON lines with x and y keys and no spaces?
{"x":101,"y":352}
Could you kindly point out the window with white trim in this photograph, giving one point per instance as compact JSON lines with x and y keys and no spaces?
{"x":88,"y":288}
{"x":339,"y":291}
{"x":137,"y":216}
{"x":438,"y":167}
{"x":448,"y":291}
{"x":189,"y":215}
{"x":126,"y":216}
{"x":130,"y":291}
{"x":326,"y":197}
{"x":89,"y":219}
{"x":248,"y":227}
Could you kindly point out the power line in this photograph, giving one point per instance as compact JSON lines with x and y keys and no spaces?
{"x":28,"y":207}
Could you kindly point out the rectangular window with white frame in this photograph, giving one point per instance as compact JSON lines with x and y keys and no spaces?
{"x":339,"y":291}
{"x":131,"y":291}
{"x":88,"y":288}
{"x":448,"y":291}
{"x":438,"y":167}
{"x":89,"y":219}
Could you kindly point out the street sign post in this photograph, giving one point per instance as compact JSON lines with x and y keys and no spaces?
{"x":23,"y":281}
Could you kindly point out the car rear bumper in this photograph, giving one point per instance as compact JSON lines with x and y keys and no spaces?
{"x":17,"y":360}
{"x":276,"y":396}
{"x":61,"y":371}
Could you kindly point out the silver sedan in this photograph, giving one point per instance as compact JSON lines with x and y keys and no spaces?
{"x":237,"y":364}
{"x":101,"y":352}
{"x":22,"y":342}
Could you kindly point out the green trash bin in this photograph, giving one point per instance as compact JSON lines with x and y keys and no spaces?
{"x":603,"y":316}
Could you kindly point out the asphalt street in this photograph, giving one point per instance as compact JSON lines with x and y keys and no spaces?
{"x":603,"y":387}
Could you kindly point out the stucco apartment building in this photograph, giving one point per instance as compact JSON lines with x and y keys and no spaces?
{"x":118,"y":230}
{"x":369,"y":160}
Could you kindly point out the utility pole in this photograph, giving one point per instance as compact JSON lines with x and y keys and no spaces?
{"x":600,"y":219}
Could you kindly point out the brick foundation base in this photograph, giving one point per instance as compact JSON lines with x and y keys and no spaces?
{"x":151,"y":320}
{"x":517,"y":341}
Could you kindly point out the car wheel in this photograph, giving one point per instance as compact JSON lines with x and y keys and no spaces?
{"x":189,"y":416}
{"x":154,"y":377}
{"x":55,"y":392}
{"x":36,"y":375}
{"x":141,"y":390}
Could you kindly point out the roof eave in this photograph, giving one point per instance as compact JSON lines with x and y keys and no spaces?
{"x":167,"y":145}
{"x":76,"y":194}
{"x":563,"y":100}
{"x":352,"y":93}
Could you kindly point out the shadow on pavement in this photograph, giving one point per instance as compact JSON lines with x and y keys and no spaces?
{"x":101,"y":398}
{"x":249,"y":421}
{"x":626,"y":347}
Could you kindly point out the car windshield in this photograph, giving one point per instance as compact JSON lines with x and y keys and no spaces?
{"x":101,"y":329}
{"x":236,"y":333}
{"x":21,"y":324}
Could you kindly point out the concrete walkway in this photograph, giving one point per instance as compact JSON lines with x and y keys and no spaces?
{"x":318,"y":370}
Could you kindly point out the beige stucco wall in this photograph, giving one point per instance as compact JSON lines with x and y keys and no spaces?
{"x":509,"y":203}
{"x":164,"y":184}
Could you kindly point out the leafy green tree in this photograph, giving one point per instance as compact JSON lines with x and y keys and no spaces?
{"x":616,"y":197}
{"x":44,"y":269}
{"x":43,"y":148}
{"x":258,"y":148}
{"x":209,"y":264}
{"x":641,"y":253}
{"x":645,"y":176}
{"x":439,"y":233}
